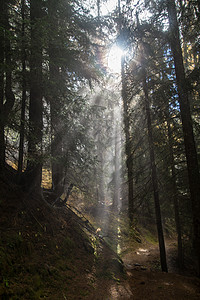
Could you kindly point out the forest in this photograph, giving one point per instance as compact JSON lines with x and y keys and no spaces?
{"x":99,"y":149}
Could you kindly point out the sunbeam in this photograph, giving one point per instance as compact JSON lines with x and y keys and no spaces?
{"x":114,"y":59}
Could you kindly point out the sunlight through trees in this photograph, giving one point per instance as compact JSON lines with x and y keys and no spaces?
{"x":103,"y":96}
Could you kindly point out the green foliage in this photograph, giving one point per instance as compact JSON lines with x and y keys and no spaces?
{"x":135,"y":234}
{"x":95,"y":245}
{"x":150,"y":236}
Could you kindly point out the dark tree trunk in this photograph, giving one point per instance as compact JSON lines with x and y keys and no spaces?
{"x":10,"y":98}
{"x":23,"y":102}
{"x":116,"y":197}
{"x":154,"y":176}
{"x":5,"y":78}
{"x":2,"y":143}
{"x":55,"y":105}
{"x":175,"y":196}
{"x":126,"y":121}
{"x":33,"y":174}
{"x":128,"y":147}
{"x":190,"y":147}
{"x":98,"y":8}
{"x":101,"y":181}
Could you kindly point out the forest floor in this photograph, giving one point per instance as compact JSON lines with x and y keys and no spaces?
{"x":141,"y":259}
{"x":146,"y":281}
{"x":54,"y":254}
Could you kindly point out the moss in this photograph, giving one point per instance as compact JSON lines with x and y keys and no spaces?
{"x":93,"y":244}
{"x":150,"y":237}
{"x":134,"y":233}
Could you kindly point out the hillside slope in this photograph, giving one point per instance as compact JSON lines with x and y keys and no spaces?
{"x":48,"y":253}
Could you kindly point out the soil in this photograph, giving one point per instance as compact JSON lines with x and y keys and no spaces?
{"x":146,"y":281}
{"x":53,"y":254}
{"x":146,"y":257}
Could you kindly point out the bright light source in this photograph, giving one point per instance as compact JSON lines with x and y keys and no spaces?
{"x":114,"y":59}
{"x":108,"y":6}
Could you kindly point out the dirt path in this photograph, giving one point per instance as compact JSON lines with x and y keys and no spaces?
{"x":147,"y":257}
{"x":145,"y":281}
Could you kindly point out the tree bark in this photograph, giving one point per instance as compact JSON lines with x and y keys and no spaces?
{"x":6,"y":92}
{"x":128,"y":148}
{"x":100,"y":157}
{"x":2,"y":143}
{"x":116,"y":197}
{"x":175,"y":197}
{"x":154,"y":176}
{"x":33,"y":174}
{"x":55,"y":105}
{"x":190,"y":147}
{"x":23,"y":102}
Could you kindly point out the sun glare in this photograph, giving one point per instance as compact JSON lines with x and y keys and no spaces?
{"x":114,"y":59}
{"x":108,"y":6}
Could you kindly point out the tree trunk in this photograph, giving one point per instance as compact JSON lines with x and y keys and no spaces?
{"x":154,"y":177}
{"x":116,"y":197}
{"x":100,"y":157}
{"x":55,"y":105}
{"x":2,"y":143}
{"x":34,"y":165}
{"x":6,"y":92}
{"x":175,"y":197}
{"x":23,"y":102}
{"x":10,"y":98}
{"x":128,"y":148}
{"x":190,"y":147}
